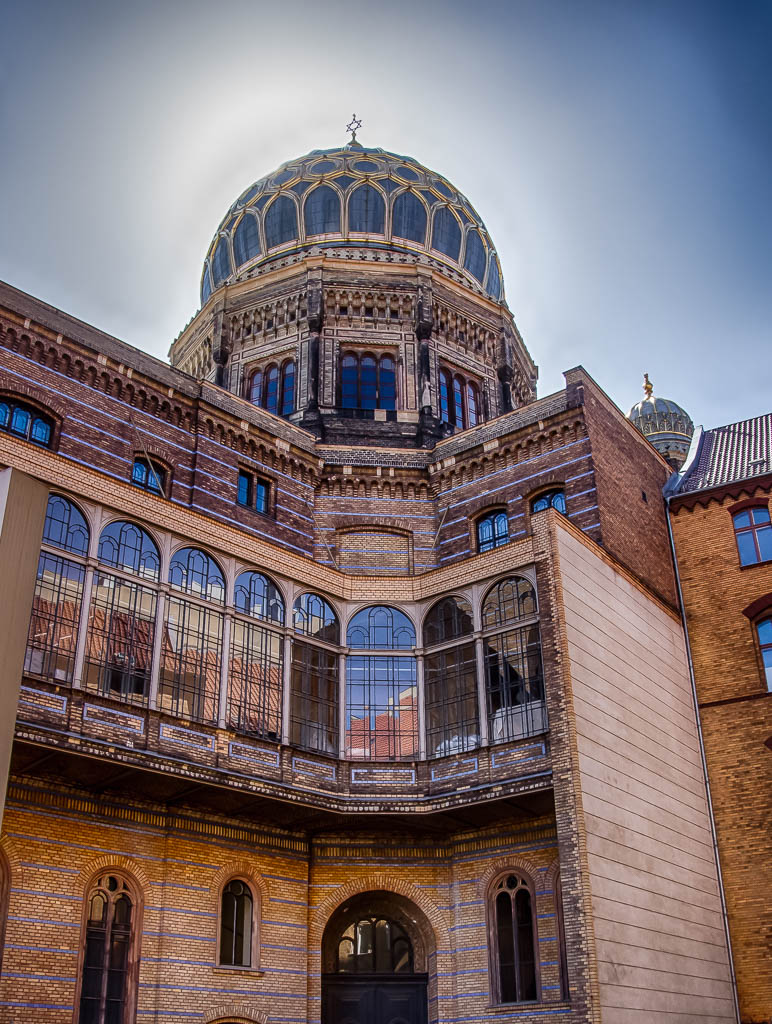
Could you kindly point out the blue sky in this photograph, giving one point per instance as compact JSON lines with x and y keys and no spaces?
{"x":620,"y":154}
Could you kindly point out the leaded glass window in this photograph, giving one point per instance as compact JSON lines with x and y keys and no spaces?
{"x":382,"y":627}
{"x":124,"y":545}
{"x":106,"y":991}
{"x":53,"y":628}
{"x":450,"y":685}
{"x":149,"y":475}
{"x":314,"y":617}
{"x":65,"y":526}
{"x":492,"y":531}
{"x":314,"y":698}
{"x":550,"y":499}
{"x":255,"y":595}
{"x":25,"y":422}
{"x":195,"y":572}
{"x":121,"y":630}
{"x":191,"y":653}
{"x":448,"y":619}
{"x":374,"y":945}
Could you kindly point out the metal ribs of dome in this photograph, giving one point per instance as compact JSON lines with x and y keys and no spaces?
{"x":352,"y":197}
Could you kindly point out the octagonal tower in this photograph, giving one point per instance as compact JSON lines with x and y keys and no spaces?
{"x":357,"y":293}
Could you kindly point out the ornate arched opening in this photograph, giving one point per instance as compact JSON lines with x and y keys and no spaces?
{"x":376,"y":951}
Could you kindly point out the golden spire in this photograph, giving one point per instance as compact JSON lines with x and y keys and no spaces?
{"x":648,"y":387}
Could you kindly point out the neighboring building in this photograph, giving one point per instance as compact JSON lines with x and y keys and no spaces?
{"x":664,"y":423}
{"x":720,"y":513}
{"x":354,"y":687}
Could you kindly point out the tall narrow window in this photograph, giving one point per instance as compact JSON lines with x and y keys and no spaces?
{"x":246,"y":240}
{"x":108,"y":985}
{"x":221,"y":262}
{"x":366,"y":210}
{"x":349,"y":382}
{"x":753,"y":532}
{"x":408,"y":219}
{"x":256,"y":657}
{"x":256,"y":388}
{"x":513,"y":932}
{"x":472,"y":404}
{"x":288,"y":387}
{"x":272,"y":389}
{"x":450,"y":679}
{"x":245,"y":488}
{"x":492,"y":530}
{"x":445,"y":396}
{"x":236,"y":925}
{"x":381,"y":695}
{"x":314,"y":677}
{"x":764,"y":630}
{"x":387,"y":384}
{"x":513,"y":669}
{"x":458,"y":403}
{"x":280,"y":222}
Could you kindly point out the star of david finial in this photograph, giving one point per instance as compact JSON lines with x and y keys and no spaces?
{"x":353,"y":127}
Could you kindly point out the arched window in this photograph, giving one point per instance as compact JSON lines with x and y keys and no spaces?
{"x":450,"y":679}
{"x":314,"y":676}
{"x":550,"y":499}
{"x":122,"y":612}
{"x":446,"y":233}
{"x":381,"y":694}
{"x":514,"y":680}
{"x":474,"y":258}
{"x":366,"y":210}
{"x":53,"y":628}
{"x":374,"y":945}
{"x":408,"y":219}
{"x":25,"y":422}
{"x":288,"y":387}
{"x":236,"y":925}
{"x":111,"y":953}
{"x":458,"y":402}
{"x":445,"y":409}
{"x":367,"y":382}
{"x":191,"y":651}
{"x":256,"y":388}
{"x":271,"y":402}
{"x":221,"y":262}
{"x":492,"y":530}
{"x":322,"y":211}
{"x":472,"y":404}
{"x":281,"y":222}
{"x":246,"y":240}
{"x":764,"y":631}
{"x":513,"y":945}
{"x":65,"y":527}
{"x":149,"y":475}
{"x":256,"y":658}
{"x":753,"y":532}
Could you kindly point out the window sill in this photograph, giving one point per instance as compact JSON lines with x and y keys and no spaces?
{"x":526,"y":1007}
{"x":755,"y":565}
{"x":255,"y":972}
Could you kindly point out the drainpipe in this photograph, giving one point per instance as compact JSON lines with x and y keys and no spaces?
{"x":724,"y":914}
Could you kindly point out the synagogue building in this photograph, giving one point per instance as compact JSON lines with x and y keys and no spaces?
{"x":344,"y":676}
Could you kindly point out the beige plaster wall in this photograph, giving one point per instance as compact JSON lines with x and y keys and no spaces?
{"x":657,"y":920}
{"x":22,"y":511}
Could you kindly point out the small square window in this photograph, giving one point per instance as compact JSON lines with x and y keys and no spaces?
{"x":245,"y":488}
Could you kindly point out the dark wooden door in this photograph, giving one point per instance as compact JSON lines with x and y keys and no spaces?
{"x":374,"y":999}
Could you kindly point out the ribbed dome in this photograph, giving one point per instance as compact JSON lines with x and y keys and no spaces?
{"x":664,"y":423}
{"x":353,"y":198}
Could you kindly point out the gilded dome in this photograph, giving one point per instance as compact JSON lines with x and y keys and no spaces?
{"x":353,"y":198}
{"x":664,"y":423}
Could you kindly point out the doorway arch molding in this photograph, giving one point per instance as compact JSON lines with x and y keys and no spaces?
{"x":235,"y":1013}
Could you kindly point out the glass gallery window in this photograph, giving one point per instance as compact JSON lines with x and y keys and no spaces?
{"x":122,"y":613}
{"x":314,"y":675}
{"x":512,"y":653}
{"x":107,"y":991}
{"x":368,"y":382}
{"x":450,"y":678}
{"x":191,"y":649}
{"x":23,"y":421}
{"x":753,"y":532}
{"x":513,"y":946}
{"x":273,"y":388}
{"x":256,"y":657}
{"x":492,"y":530}
{"x":381,"y":694}
{"x":53,"y":629}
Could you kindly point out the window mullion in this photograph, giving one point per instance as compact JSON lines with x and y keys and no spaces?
{"x":106,"y":960}
{"x":81,"y":642}
{"x":515,"y":946}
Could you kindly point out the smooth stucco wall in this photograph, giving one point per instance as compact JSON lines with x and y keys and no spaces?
{"x":659,"y":937}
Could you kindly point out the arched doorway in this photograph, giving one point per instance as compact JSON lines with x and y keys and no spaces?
{"x":374,"y":963}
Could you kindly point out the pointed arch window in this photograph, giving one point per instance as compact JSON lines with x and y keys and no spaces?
{"x":108,"y":980}
{"x":474,"y":258}
{"x":514,"y":965}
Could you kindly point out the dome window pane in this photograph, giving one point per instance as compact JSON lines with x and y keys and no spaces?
{"x":494,"y":279}
{"x":246,"y":240}
{"x":409,"y":218}
{"x":221,"y":263}
{"x":323,"y":167}
{"x":322,"y":211}
{"x":365,"y":165}
{"x":206,"y":286}
{"x":474,"y":259}
{"x":443,"y":189}
{"x":281,"y":222}
{"x":366,"y":210}
{"x":407,"y":173}
{"x":446,"y":234}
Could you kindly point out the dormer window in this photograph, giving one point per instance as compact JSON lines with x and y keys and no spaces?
{"x":149,"y":475}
